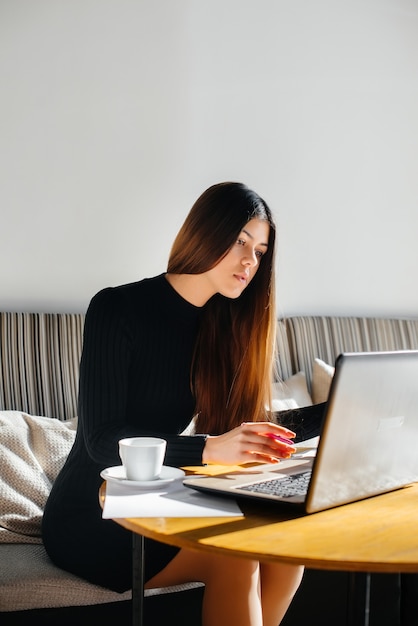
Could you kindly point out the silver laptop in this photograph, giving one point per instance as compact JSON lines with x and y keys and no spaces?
{"x":368,"y":443}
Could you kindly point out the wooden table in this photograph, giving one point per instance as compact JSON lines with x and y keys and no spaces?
{"x":375,"y":535}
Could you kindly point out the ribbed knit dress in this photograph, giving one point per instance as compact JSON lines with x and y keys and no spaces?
{"x":134,"y":380}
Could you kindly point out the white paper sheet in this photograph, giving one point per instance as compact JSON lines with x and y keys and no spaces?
{"x":172,"y":501}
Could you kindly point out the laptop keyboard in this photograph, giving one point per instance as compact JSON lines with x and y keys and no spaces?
{"x":286,"y":487}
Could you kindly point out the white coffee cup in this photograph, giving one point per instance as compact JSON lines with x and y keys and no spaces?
{"x":142,"y":457}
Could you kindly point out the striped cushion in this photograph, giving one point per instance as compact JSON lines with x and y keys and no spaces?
{"x":39,"y":363}
{"x":40,"y":353}
{"x":301,"y":339}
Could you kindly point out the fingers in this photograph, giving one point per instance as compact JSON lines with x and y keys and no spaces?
{"x":270,"y":428}
{"x":266,"y":440}
{"x":252,"y":441}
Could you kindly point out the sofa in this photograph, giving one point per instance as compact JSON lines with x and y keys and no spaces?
{"x":39,"y":366}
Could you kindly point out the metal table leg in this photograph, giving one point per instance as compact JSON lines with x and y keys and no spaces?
{"x":358,"y":605}
{"x":137,"y":579}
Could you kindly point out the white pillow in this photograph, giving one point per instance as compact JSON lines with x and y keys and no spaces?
{"x":322,"y":375}
{"x":190,"y":428}
{"x":33,"y":450}
{"x":291,"y":394}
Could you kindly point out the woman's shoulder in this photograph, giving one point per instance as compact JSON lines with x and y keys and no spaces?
{"x":126,"y":304}
{"x":129,"y":292}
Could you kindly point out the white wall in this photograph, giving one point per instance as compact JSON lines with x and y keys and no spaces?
{"x":116,"y":114}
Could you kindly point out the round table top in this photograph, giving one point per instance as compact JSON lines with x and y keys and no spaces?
{"x":375,"y":535}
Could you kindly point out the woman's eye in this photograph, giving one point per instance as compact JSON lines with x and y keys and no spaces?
{"x":258,"y":253}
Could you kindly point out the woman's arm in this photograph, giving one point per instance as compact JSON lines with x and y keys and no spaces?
{"x":109,"y":342}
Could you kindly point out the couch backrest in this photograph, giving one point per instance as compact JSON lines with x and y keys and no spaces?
{"x":40,"y":353}
{"x":301,"y":339}
{"x":39,"y":363}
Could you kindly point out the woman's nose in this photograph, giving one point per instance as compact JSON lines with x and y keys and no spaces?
{"x":250,"y":259}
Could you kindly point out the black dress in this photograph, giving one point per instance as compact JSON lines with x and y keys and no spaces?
{"x":134,"y":380}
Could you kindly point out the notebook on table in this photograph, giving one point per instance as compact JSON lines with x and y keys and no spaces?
{"x":368,"y":443}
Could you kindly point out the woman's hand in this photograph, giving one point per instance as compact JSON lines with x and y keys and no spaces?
{"x":252,"y":441}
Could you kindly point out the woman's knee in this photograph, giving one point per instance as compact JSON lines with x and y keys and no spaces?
{"x":287,"y":577}
{"x":209,"y":568}
{"x":233,"y":571}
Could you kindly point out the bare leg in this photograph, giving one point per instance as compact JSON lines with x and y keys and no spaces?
{"x":279,"y":583}
{"x":231,"y":586}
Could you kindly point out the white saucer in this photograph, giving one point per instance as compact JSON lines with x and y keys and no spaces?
{"x":117,"y":474}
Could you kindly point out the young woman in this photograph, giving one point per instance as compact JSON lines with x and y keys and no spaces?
{"x":197,"y":341}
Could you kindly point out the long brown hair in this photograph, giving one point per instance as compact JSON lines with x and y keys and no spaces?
{"x":232,"y":368}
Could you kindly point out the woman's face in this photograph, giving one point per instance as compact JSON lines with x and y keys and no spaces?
{"x":237,"y":268}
